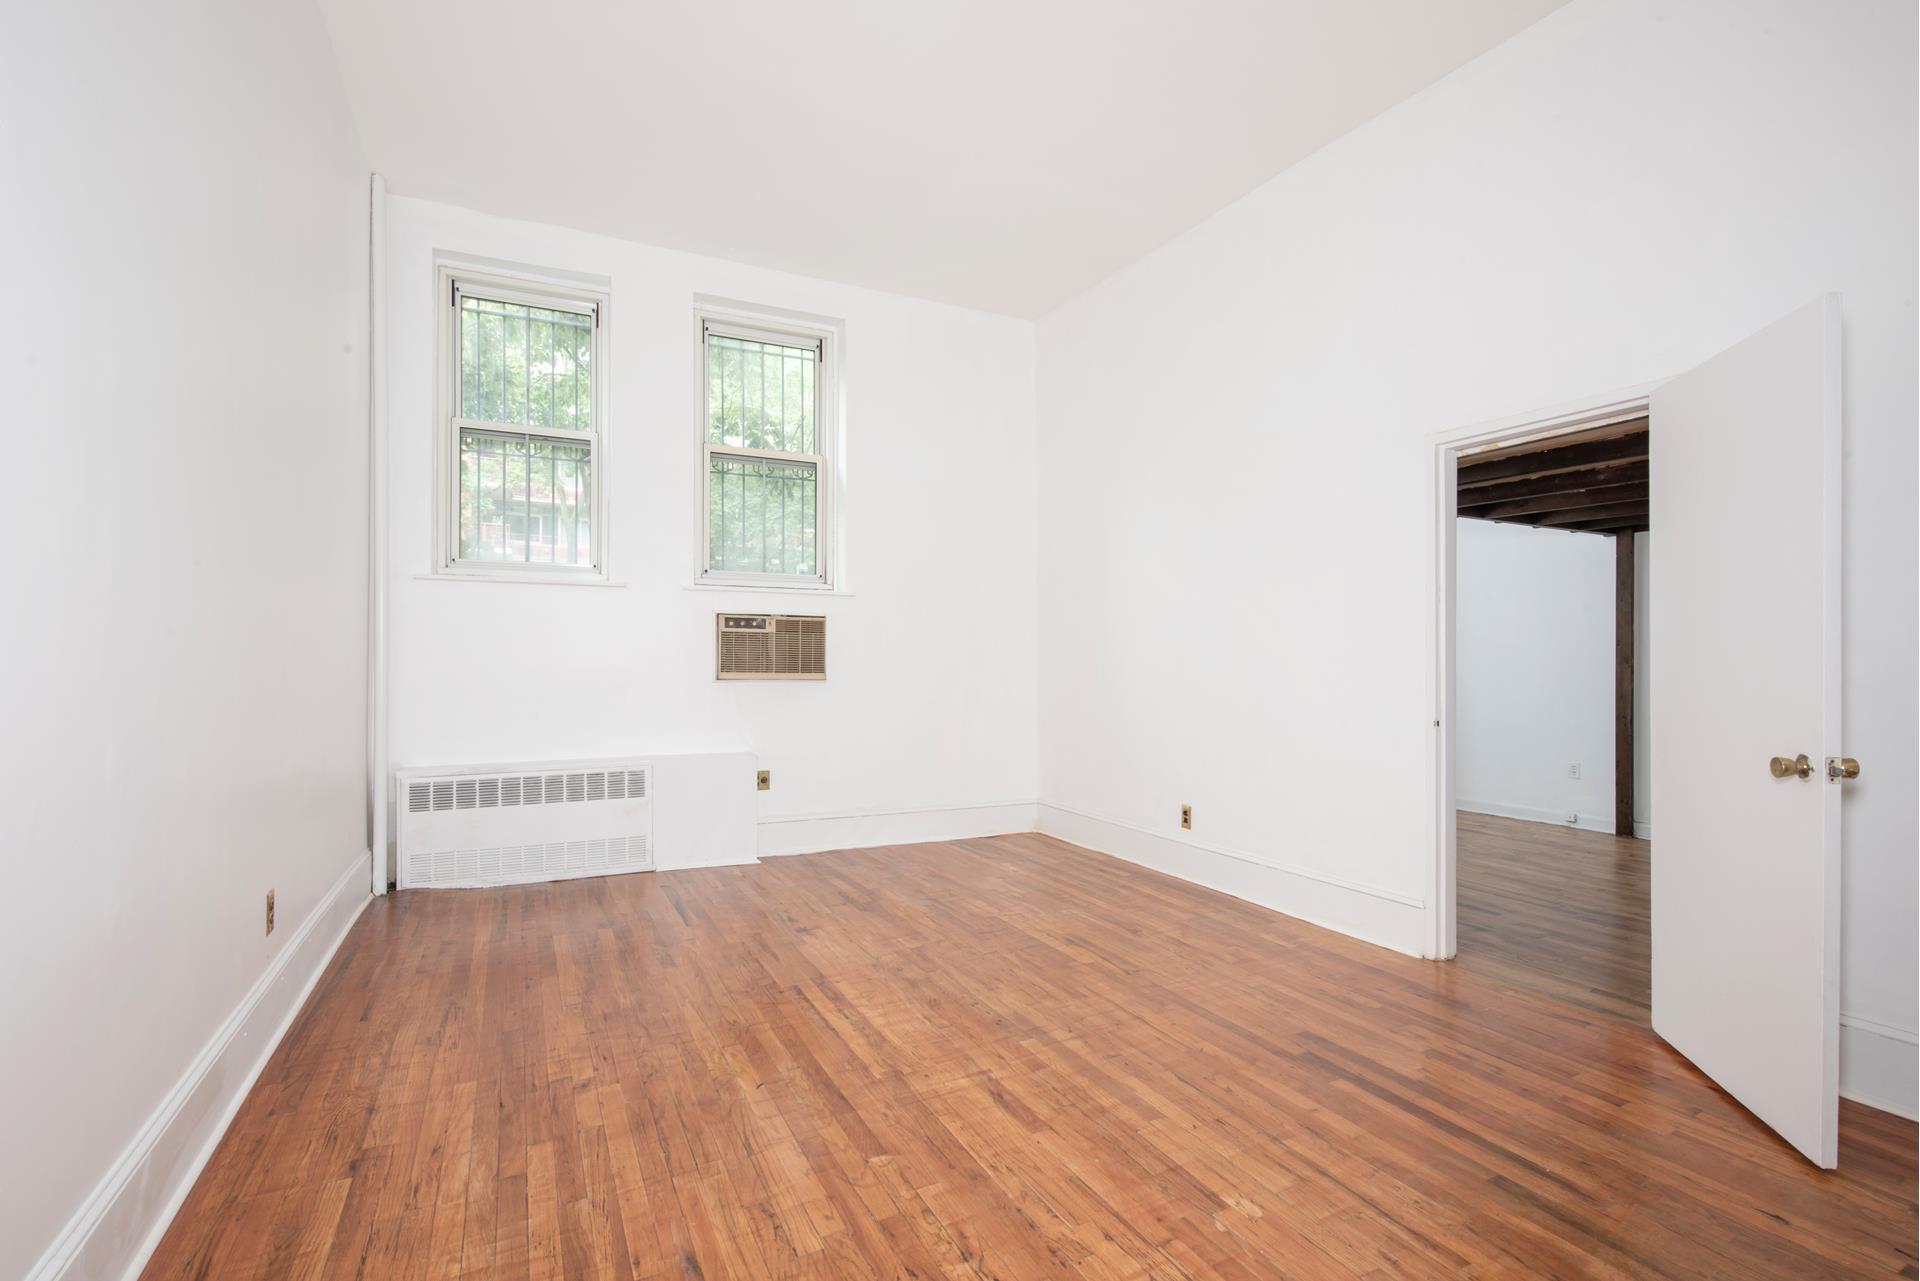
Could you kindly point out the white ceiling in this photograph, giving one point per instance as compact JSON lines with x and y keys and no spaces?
{"x":1001,"y":154}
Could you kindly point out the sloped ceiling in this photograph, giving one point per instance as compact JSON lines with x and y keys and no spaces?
{"x":999,"y":154}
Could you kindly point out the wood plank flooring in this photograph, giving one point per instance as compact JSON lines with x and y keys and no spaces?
{"x":1013,"y":1059}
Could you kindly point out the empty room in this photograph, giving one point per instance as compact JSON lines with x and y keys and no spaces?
{"x":1202,"y":642}
{"x":1551,"y":696}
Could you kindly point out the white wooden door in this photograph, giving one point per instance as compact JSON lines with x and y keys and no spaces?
{"x":1745,"y":666}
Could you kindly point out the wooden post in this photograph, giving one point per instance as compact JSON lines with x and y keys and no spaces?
{"x":1623,"y":683}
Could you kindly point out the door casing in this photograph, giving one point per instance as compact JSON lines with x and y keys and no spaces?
{"x":1443,"y":496}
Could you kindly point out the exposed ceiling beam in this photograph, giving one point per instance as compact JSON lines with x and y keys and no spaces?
{"x":1547,"y":504}
{"x":1553,"y":462}
{"x":1588,"y":515}
{"x":1539,"y":444}
{"x":1564,"y":483}
{"x":1621,"y":525}
{"x":1572,"y":526}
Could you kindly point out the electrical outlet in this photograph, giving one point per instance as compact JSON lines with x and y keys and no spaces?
{"x":764,"y":780}
{"x":1186,"y":817}
{"x":1573,"y":771}
{"x":269,"y":911}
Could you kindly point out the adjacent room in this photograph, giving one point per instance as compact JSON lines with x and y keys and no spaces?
{"x":1551,"y":699}
{"x":1008,"y":641}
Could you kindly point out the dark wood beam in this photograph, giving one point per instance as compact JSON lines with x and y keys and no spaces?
{"x":1603,"y":528}
{"x":1638,"y":524}
{"x":1565,"y":483}
{"x":1623,"y":671}
{"x":1553,"y":462}
{"x":1587,"y":515}
{"x":1538,"y":444}
{"x":1600,"y":496}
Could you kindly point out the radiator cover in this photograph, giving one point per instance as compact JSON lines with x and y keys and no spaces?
{"x":471,"y":825}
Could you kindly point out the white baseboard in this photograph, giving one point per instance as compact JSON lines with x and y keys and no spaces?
{"x":1643,"y":830}
{"x":859,"y":829}
{"x":711,"y":859}
{"x":1366,"y":912}
{"x":1526,"y":813}
{"x":115,"y":1230}
{"x":1880,"y":1066}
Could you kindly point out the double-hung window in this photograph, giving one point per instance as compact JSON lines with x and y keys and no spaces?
{"x":525,"y":410}
{"x":767,"y":455}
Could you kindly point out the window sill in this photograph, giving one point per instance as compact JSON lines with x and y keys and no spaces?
{"x":774,"y":588}
{"x":543,"y":580}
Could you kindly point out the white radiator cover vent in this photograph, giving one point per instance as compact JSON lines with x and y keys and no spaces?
{"x":475,"y":825}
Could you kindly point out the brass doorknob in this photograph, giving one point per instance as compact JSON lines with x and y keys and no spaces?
{"x":1839,"y":767}
{"x":1798,"y":767}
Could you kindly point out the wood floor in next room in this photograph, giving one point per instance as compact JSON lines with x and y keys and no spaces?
{"x":1013,"y":1059}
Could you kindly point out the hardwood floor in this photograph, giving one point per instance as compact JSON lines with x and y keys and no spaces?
{"x":1013,"y":1059}
{"x":1557,"y":910}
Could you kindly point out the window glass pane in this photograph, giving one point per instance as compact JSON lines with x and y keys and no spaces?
{"x":525,"y":500}
{"x":528,"y":366}
{"x":761,"y":395}
{"x":762,"y":517}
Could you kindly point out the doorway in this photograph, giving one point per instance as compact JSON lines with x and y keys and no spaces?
{"x":1745,"y":637}
{"x":1578,"y":476}
{"x":1552,"y":884}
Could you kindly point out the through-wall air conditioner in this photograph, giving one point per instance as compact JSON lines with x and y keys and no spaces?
{"x":770,"y":647}
{"x":461,"y":826}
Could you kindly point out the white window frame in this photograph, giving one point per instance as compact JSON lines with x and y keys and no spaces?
{"x":451,"y":280}
{"x":792,"y":330}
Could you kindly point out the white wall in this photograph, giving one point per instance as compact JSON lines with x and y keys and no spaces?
{"x":1533,"y":673}
{"x":929,"y":705}
{"x":1642,"y":685}
{"x":1233,"y":430}
{"x":184,"y":588}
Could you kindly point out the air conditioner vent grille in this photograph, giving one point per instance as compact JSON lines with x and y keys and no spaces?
{"x":770,"y":647}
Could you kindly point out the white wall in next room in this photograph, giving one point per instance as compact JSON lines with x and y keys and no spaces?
{"x":925,"y":725}
{"x":1533,"y":672}
{"x":1642,"y":685}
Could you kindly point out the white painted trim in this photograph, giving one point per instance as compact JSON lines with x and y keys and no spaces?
{"x":117,"y":1227}
{"x":1258,"y":860}
{"x":536,"y":580}
{"x":1530,"y":814}
{"x":789,"y":589}
{"x":1442,"y":509}
{"x":778,"y":324}
{"x":683,"y":865}
{"x":377,"y":551}
{"x":542,"y":287}
{"x":1366,"y":912}
{"x":878,"y":813}
{"x":1880,"y":1065}
{"x":863,"y":829}
{"x":1643,"y":830}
